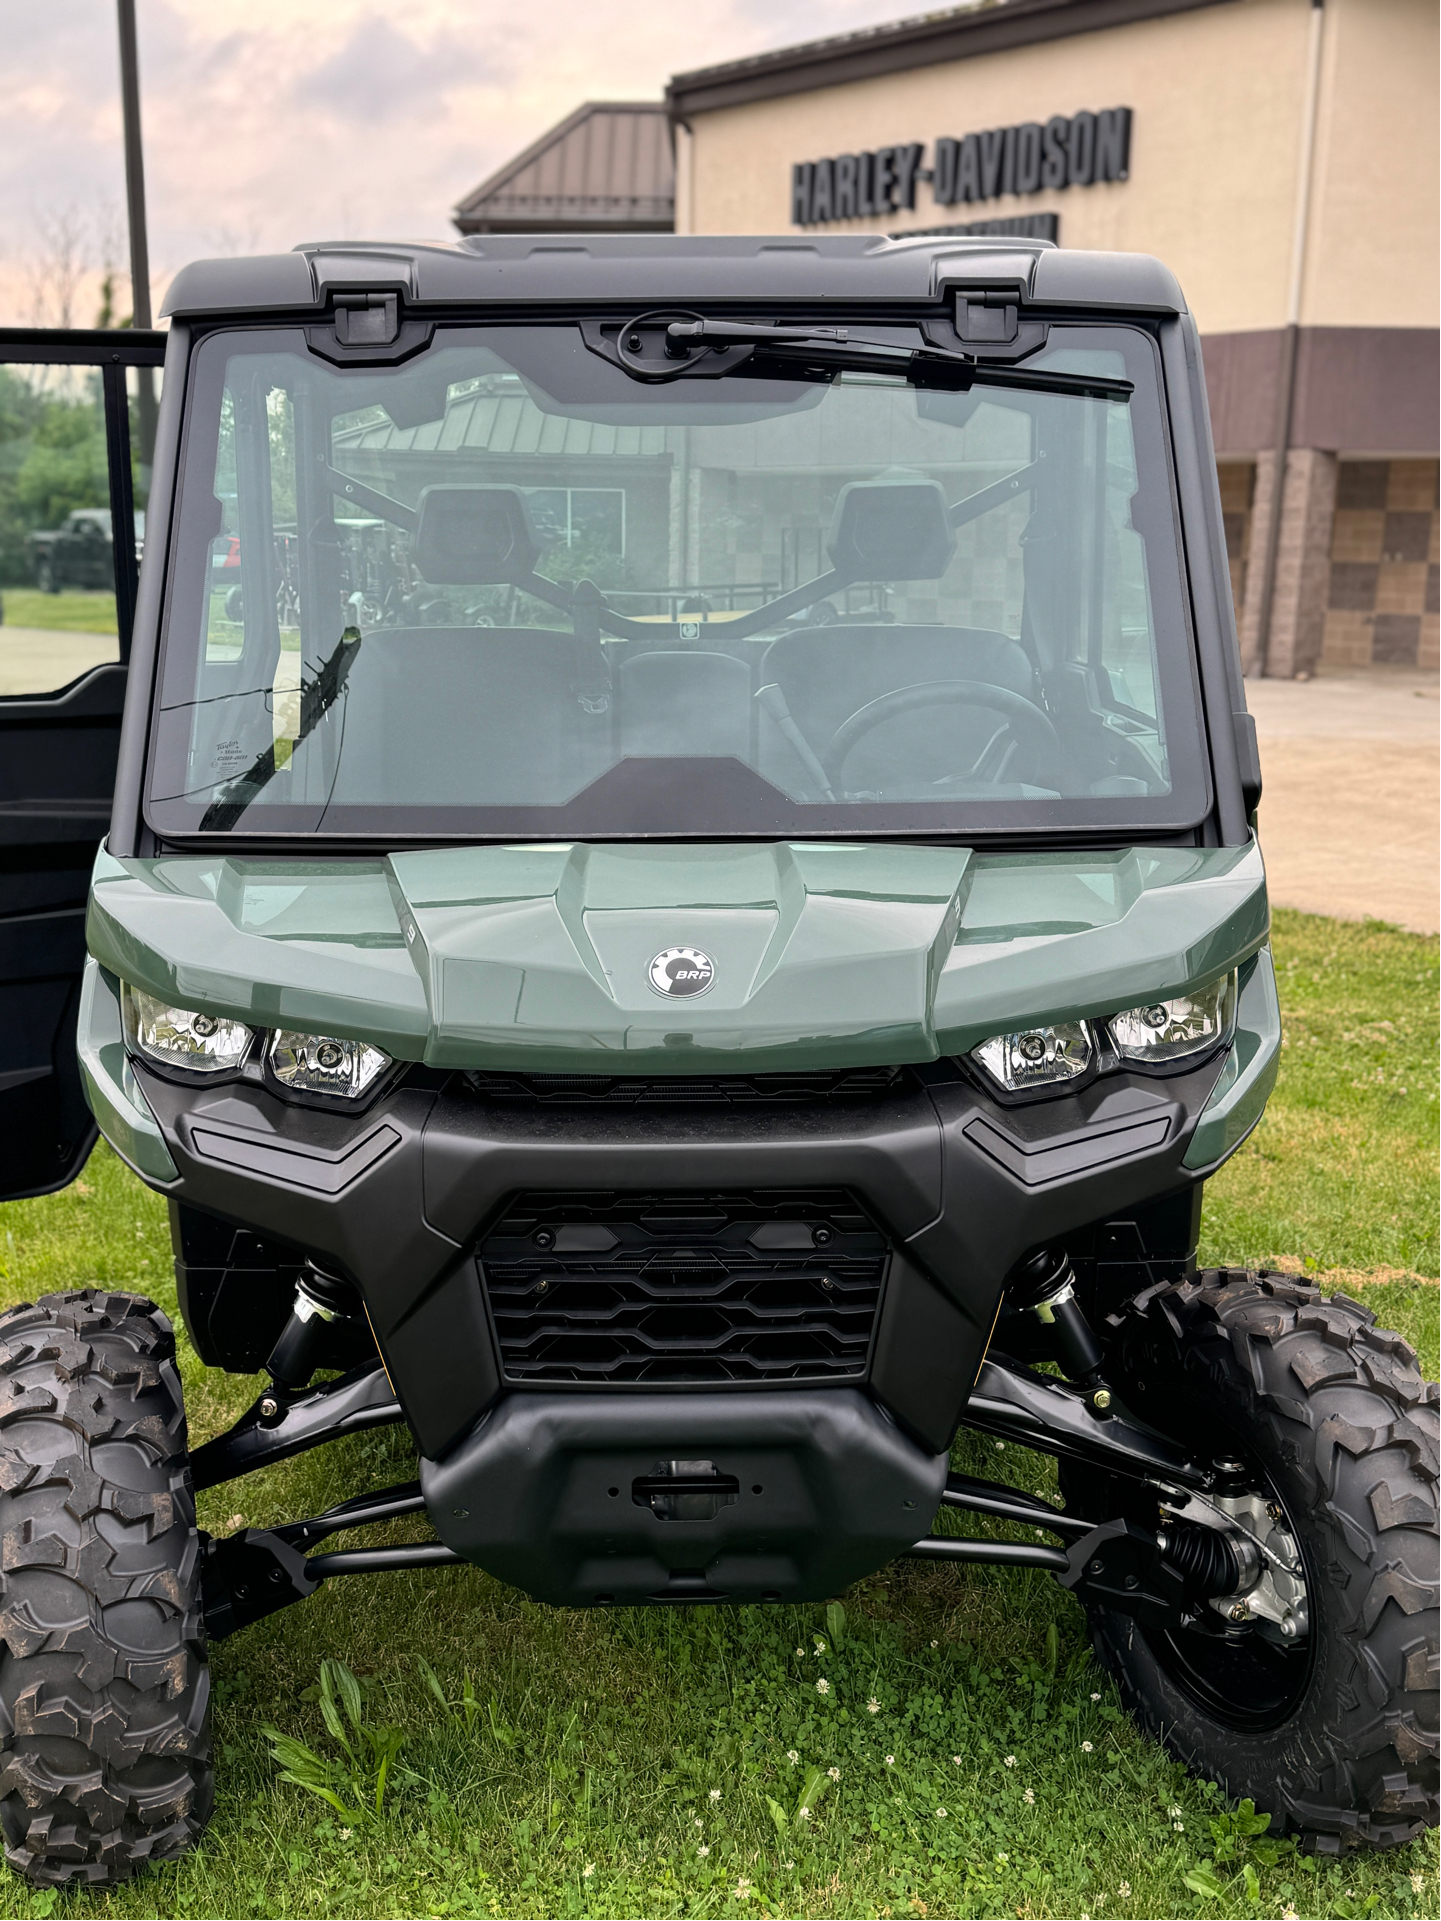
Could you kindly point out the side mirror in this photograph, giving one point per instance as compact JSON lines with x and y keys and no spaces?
{"x":474,"y":537}
{"x":891,"y":530}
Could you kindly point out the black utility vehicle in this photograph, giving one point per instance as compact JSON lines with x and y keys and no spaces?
{"x":79,"y":553}
{"x":680,"y":905}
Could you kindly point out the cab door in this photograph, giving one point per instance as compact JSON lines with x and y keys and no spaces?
{"x":77,"y":413}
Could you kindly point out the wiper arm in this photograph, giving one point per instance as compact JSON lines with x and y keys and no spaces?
{"x":837,"y":349}
{"x":317,"y":697}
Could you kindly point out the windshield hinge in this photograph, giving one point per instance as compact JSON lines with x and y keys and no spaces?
{"x":989,"y":319}
{"x":367,"y":319}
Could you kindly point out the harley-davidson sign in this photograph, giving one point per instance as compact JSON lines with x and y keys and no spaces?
{"x":1079,"y":151}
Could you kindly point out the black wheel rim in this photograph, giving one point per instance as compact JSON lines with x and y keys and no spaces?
{"x":1245,"y":1681}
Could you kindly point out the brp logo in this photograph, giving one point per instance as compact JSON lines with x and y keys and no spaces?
{"x":680,"y":971}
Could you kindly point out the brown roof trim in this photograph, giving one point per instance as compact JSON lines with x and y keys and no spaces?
{"x":552,"y":137}
{"x":959,"y":33}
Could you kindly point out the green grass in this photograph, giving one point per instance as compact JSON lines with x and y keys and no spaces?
{"x":75,"y":610}
{"x":573,"y":1771}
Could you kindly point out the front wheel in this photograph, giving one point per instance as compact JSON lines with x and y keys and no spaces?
{"x":1314,"y":1694}
{"x":104,"y":1689}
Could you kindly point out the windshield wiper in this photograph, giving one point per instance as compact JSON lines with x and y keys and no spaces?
{"x":838,"y":350}
{"x":317,"y":697}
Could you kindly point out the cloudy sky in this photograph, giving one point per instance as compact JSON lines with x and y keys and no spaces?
{"x":272,"y":121}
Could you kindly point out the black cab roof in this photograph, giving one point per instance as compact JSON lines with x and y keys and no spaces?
{"x":511,"y":268}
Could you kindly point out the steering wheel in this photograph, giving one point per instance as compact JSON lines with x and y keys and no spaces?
{"x":1023,"y":715}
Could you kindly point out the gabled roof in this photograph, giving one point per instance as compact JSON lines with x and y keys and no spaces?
{"x":606,"y":168}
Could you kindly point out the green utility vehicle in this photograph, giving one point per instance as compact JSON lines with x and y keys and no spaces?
{"x":693,"y":929}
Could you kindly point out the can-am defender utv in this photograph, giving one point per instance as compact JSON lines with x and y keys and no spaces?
{"x":681,"y":907}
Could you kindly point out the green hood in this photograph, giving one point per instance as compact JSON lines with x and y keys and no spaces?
{"x":537,"y":957}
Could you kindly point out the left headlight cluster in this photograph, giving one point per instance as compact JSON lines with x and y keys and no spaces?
{"x":201,"y":1043}
{"x":1156,"y":1035}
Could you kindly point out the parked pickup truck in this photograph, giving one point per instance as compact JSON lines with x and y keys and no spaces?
{"x":78,"y":554}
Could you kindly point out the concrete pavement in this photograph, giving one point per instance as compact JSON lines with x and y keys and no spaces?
{"x":35,"y":660}
{"x":1348,"y":817}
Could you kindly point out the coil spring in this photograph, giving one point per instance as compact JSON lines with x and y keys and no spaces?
{"x":1203,"y":1556}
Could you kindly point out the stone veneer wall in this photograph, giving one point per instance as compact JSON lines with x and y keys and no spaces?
{"x":1381,"y":603}
{"x":1379,"y":557}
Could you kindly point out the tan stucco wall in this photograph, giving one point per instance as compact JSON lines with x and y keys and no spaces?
{"x":1371,"y":250}
{"x":1218,"y":96}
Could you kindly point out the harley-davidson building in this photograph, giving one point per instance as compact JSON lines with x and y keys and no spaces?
{"x":1281,"y":156}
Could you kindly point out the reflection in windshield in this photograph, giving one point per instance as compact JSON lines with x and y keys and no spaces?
{"x":566,"y":604}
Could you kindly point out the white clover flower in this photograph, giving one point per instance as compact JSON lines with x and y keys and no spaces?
{"x":588,"y":1870}
{"x":803,"y":1814}
{"x":800,"y":1654}
{"x":1290,"y":1914}
{"x":1029,"y":1797}
{"x":820,"y":1646}
{"x":1095,"y":1697}
{"x":345,"y":1833}
{"x":702,"y":1850}
{"x":935,"y":1644}
{"x":1418,"y":1883}
{"x":1003,"y":1859}
{"x":834,"y":1773}
{"x":823,"y":1686}
{"x":873,"y":1706}
{"x":890,"y":1760}
{"x":715,"y":1794}
{"x":1010,"y":1760}
{"x":1173,"y":1813}
{"x":699,"y":1823}
{"x":1124,"y":1890}
{"x":792,"y":1756}
{"x":1000,"y":1447}
{"x":1179,"y":1826}
{"x":957,"y":1759}
{"x":743,"y":1888}
{"x":1086,"y":1747}
{"x":940,"y":1814}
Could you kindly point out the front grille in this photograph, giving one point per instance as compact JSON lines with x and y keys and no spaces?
{"x":634,"y":1090}
{"x":667,"y":1288}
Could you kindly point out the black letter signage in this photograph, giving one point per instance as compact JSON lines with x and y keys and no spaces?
{"x":1083,"y":150}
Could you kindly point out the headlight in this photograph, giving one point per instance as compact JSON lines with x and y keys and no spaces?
{"x":323,"y":1064}
{"x":1172,"y":1030}
{"x":180,"y":1037}
{"x":1037,"y":1056}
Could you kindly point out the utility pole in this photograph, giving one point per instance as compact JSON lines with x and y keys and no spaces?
{"x":139,"y":245}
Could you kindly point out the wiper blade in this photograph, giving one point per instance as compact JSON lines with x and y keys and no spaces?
{"x":838,"y":350}
{"x":317,"y":697}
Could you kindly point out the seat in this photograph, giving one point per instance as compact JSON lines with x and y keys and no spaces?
{"x":467,"y":716}
{"x":684,"y":703}
{"x":829,"y":673}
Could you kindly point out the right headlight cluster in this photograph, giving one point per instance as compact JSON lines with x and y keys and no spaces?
{"x":1155,"y":1035}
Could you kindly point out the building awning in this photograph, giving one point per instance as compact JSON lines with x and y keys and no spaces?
{"x":606,"y":168}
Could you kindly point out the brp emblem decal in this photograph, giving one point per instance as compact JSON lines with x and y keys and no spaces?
{"x":679,"y":971}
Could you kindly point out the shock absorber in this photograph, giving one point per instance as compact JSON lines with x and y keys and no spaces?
{"x":1047,"y":1287}
{"x":320,"y":1300}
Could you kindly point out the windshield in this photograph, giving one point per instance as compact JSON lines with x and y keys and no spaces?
{"x":506,"y":590}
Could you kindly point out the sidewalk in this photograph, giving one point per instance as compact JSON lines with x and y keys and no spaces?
{"x":35,"y":660}
{"x":1350,"y":798}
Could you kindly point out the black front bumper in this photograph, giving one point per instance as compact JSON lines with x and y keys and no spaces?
{"x":786,"y":1497}
{"x":401,"y":1198}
